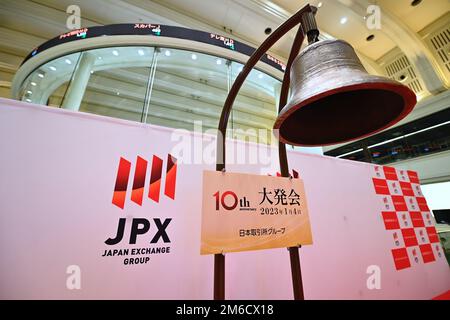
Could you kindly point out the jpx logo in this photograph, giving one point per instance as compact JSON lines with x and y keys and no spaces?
{"x":140,"y":173}
{"x":141,"y":226}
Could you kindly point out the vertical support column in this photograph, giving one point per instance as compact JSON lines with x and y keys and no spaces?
{"x":77,"y":86}
{"x":150,"y":82}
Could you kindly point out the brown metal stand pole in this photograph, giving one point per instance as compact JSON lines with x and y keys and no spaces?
{"x":296,"y":273}
{"x":219,"y":259}
{"x":219,"y":277}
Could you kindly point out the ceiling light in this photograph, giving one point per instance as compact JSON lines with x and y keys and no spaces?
{"x":118,"y":93}
{"x":410,"y":134}
{"x":33,"y":84}
{"x":343,"y":20}
{"x":52,"y":68}
{"x":141,"y":52}
{"x":397,"y":138}
{"x":92,"y":71}
{"x":115,"y":52}
{"x":219,"y":61}
{"x":28,"y":100}
{"x":194,"y":56}
{"x":30,"y":92}
{"x":68,"y":61}
{"x":100,"y":58}
{"x":260,"y":76}
{"x":167,"y":53}
{"x":349,"y":153}
{"x":40,"y":75}
{"x":319,"y":4}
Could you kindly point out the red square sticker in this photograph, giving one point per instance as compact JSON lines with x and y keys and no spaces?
{"x":407,"y":189}
{"x":432,"y":235}
{"x":413,"y":177}
{"x":390,"y":173}
{"x":422,"y":204}
{"x":401,"y":258}
{"x":381,"y":186}
{"x":427,"y":253}
{"x":399,"y":203}
{"x":416,"y":218}
{"x":390,"y":220}
{"x":409,"y":237}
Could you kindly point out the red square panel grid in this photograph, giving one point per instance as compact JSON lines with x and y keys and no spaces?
{"x":406,"y":216}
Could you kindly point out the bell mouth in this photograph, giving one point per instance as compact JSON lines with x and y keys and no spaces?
{"x":344,"y":114}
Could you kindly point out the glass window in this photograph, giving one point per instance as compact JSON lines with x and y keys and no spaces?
{"x":163,"y":86}
{"x":118,"y":82}
{"x":188,"y":88}
{"x":48,"y":84}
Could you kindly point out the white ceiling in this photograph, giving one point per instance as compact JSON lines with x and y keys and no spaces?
{"x":249,"y":19}
{"x":244,"y":19}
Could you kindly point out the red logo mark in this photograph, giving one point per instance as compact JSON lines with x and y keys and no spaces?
{"x":409,"y":237}
{"x":413,"y":177}
{"x":140,"y":173}
{"x":390,"y":173}
{"x":422,"y":204}
{"x":401,"y":258}
{"x":432,"y":235}
{"x":416,"y":218}
{"x":407,"y":189}
{"x":427,"y":253}
{"x":381,"y":186}
{"x":399,"y":203}
{"x":390,"y":220}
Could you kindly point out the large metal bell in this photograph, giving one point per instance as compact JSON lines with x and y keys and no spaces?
{"x":334,"y":99}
